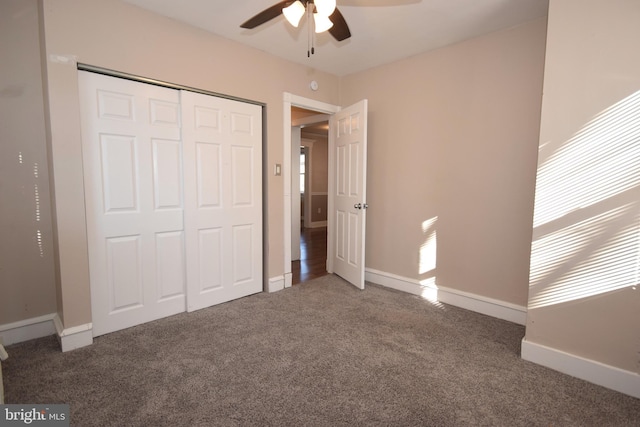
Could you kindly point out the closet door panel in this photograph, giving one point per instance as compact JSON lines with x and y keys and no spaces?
{"x":132,"y":148}
{"x":223,"y":198}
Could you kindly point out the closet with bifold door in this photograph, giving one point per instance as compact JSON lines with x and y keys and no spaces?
{"x":173,"y":196}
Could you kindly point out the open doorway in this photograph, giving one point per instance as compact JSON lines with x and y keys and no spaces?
{"x":347,"y":177}
{"x":309,"y":192}
{"x":292,"y":128}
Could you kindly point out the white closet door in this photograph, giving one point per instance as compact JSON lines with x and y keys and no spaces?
{"x":134,"y":200}
{"x":223,"y":198}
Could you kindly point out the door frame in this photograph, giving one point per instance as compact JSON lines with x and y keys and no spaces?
{"x":290,"y":100}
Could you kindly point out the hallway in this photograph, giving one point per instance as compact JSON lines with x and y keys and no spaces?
{"x":313,"y":255}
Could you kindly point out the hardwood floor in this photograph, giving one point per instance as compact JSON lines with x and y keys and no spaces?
{"x":313,"y":255}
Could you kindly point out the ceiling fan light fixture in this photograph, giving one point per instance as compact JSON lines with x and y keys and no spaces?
{"x":325,"y":7}
{"x":294,"y":12}
{"x":322,"y":22}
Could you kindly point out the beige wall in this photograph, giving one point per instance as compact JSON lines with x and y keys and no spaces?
{"x":453,"y":137}
{"x":121,"y":37}
{"x":27,"y":286}
{"x":584,"y":299}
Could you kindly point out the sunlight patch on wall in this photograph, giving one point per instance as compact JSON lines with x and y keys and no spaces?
{"x":428,"y":248}
{"x":427,"y":261}
{"x":599,"y":254}
{"x":600,"y":161}
{"x":36,"y":193}
{"x":586,"y":237}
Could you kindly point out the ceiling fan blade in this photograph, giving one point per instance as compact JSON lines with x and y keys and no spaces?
{"x":266,"y":15}
{"x":340,"y":30}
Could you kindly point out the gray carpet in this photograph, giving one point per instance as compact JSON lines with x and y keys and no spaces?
{"x":318,"y":354}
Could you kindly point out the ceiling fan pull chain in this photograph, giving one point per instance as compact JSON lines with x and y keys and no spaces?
{"x":309,"y":45}
{"x":310,"y":28}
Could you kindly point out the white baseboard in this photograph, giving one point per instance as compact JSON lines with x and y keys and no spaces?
{"x":43,"y":326}
{"x":489,"y":306}
{"x":617,"y":379}
{"x":74,"y":337}
{"x":28,"y":329}
{"x":288,"y":279}
{"x":400,"y":283}
{"x":480,"y":304}
{"x":275,"y":284}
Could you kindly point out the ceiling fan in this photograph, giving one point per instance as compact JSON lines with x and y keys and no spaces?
{"x":322,"y":13}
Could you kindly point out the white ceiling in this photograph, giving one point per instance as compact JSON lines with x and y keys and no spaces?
{"x":382,"y":31}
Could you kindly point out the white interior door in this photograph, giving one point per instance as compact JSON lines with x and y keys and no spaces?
{"x":223,"y":198}
{"x":133,"y":190}
{"x":347,"y":192}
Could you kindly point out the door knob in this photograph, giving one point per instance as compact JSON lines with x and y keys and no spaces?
{"x":358,"y":206}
